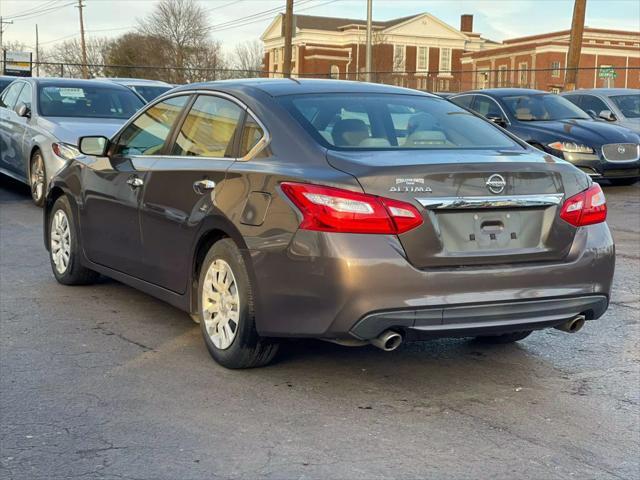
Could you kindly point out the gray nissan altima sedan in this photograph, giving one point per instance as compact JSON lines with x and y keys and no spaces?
{"x":350,"y":212}
{"x":42,"y":118}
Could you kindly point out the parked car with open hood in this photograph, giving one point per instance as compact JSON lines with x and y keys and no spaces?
{"x":147,"y":89}
{"x":42,"y":118}
{"x":620,"y":106}
{"x":352,"y":212}
{"x":555,"y":125}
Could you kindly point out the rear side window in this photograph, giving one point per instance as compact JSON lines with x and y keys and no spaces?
{"x":390,"y":121}
{"x":147,"y":133}
{"x":251,"y":135}
{"x":209,"y":128}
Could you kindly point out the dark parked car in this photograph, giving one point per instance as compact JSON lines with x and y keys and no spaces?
{"x":617,"y":105}
{"x":147,"y":89}
{"x":555,"y":125}
{"x":351,"y":212}
{"x":42,"y":118}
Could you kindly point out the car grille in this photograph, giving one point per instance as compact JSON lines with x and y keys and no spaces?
{"x":620,"y":152}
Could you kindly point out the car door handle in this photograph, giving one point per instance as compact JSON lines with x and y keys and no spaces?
{"x":135,"y":182}
{"x":201,"y":186}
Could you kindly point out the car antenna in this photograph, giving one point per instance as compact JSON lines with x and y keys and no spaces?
{"x":295,"y":80}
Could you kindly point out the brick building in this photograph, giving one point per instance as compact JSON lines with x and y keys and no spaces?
{"x":539,"y":61}
{"x":419,"y":51}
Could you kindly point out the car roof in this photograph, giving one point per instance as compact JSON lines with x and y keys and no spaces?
{"x":278,"y":87}
{"x":74,"y":82}
{"x":137,"y":81}
{"x":504,"y":92}
{"x":605,"y":91}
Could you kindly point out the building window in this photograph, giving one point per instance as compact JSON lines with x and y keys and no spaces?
{"x":502,"y":76}
{"x":422,"y":61}
{"x":445,"y":60}
{"x":398,"y":58}
{"x":555,"y":69}
{"x":334,"y":72}
{"x":554,"y":90}
{"x":443,"y":85}
{"x":523,"y":67}
{"x":276,"y":55}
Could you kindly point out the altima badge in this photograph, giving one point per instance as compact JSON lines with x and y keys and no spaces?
{"x":496,"y":183}
{"x":410,"y":185}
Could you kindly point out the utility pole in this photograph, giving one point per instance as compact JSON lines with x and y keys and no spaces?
{"x":3,"y":22}
{"x":37,"y":53}
{"x":575,"y":44}
{"x":85,"y":72}
{"x":369,"y":54}
{"x":288,"y":39}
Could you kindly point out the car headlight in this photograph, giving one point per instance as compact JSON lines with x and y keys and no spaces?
{"x":570,"y":147}
{"x":63,"y":150}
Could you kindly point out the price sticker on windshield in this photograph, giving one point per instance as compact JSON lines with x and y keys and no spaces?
{"x":72,"y":92}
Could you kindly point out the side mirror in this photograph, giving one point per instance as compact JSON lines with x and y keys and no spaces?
{"x":23,"y":110}
{"x":607,"y":115}
{"x":95,"y":146}
{"x":497,"y":119}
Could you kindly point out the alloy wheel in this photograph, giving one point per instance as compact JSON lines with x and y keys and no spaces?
{"x":220,"y":304}
{"x":37,"y":177}
{"x":60,"y":241}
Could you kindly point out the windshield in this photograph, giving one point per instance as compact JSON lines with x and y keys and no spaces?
{"x":389,"y":121}
{"x":87,"y":101}
{"x":629,"y":105}
{"x":149,"y":93}
{"x":542,"y":107}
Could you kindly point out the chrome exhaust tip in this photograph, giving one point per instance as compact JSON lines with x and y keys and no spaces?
{"x":573,"y":325}
{"x":387,"y":341}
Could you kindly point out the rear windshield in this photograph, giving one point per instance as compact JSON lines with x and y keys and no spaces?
{"x":390,"y":121}
{"x":629,"y":105}
{"x":87,"y":102}
{"x":542,"y":107}
{"x":150,"y":92}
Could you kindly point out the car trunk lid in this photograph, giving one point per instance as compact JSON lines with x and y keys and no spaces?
{"x":479,"y":207}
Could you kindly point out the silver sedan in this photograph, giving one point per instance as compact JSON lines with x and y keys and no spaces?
{"x":41,"y":120}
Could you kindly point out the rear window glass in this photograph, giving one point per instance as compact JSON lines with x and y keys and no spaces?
{"x":87,"y":102}
{"x":150,"y":92}
{"x":389,"y":121}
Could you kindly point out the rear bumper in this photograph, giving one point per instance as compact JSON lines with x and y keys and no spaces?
{"x":484,"y":318}
{"x":325,"y":285}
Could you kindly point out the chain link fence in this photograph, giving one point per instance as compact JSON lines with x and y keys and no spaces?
{"x":549,"y":79}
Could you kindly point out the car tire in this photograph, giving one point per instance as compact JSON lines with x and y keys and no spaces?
{"x":64,"y":247}
{"x":504,"y":338}
{"x":37,"y":178}
{"x":623,"y":181}
{"x":227,"y":313}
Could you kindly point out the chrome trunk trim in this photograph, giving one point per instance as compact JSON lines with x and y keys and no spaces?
{"x":502,"y":201}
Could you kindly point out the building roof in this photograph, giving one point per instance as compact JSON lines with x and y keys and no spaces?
{"x":566,"y":33}
{"x":312,"y":22}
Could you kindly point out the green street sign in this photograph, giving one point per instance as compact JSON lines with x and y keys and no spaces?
{"x":607,"y":73}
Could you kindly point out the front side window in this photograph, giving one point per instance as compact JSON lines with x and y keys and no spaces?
{"x":541,"y":107}
{"x":463,"y":100}
{"x":423,"y":58}
{"x":147,"y":134}
{"x":209,"y":128}
{"x":629,"y":105}
{"x":589,"y":102}
{"x":74,"y":100}
{"x":396,"y":122}
{"x":10,"y":95}
{"x":487,"y":107}
{"x":445,"y":60}
{"x":25,"y":96}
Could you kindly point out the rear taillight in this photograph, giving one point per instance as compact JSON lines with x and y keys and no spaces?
{"x":330,"y":209}
{"x":585,"y":208}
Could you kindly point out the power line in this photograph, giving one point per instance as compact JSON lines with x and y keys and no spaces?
{"x":29,"y":16}
{"x":34,"y":9}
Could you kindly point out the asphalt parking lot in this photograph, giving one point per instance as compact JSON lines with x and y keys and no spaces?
{"x":106,"y":382}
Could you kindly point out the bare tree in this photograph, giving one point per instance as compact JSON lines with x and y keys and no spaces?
{"x":248,"y":58}
{"x":68,"y":57}
{"x":183,"y":24}
{"x":205,"y":63}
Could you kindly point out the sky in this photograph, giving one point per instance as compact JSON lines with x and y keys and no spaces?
{"x":495,"y":19}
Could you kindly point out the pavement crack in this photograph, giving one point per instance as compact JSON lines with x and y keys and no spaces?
{"x":105,"y":331}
